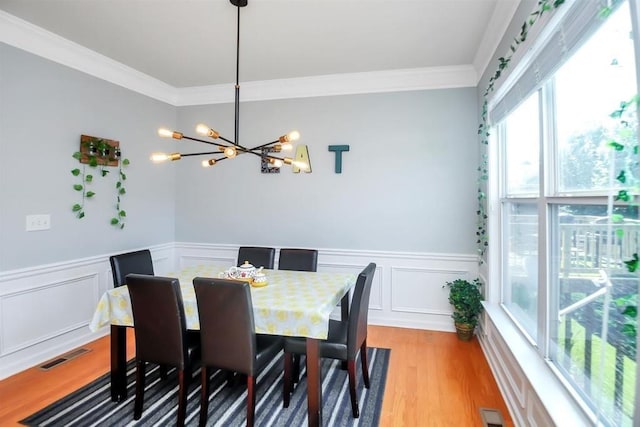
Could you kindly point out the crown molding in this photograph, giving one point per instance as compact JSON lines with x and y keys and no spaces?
{"x":38,"y":41}
{"x":496,"y":29}
{"x":33,"y":39}
{"x":333,"y":85}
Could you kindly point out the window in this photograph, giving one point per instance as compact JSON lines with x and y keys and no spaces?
{"x":521,"y":147}
{"x":564,"y":281}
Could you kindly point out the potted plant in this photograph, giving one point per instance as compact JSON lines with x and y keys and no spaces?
{"x":466,"y":299}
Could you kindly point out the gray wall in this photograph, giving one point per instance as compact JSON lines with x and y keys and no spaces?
{"x":44,"y":108}
{"x":408,"y":181}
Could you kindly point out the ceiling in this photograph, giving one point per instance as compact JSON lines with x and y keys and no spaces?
{"x":186,"y":43}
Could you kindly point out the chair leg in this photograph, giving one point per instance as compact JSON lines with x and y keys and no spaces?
{"x":365,"y":364}
{"x":204,"y":397}
{"x":140,"y":371}
{"x":188,"y":373}
{"x":351,"y":369}
{"x":296,"y":368}
{"x":182,"y":397}
{"x":163,"y":372}
{"x":286,"y":380}
{"x":251,"y":400}
{"x":231,"y":376}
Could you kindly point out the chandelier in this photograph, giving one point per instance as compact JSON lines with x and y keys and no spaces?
{"x":228,"y":149}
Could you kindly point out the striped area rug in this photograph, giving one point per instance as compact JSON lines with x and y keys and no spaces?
{"x":92,"y":406}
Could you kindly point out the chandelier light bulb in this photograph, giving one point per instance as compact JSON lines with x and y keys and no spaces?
{"x":294,"y":135}
{"x":159,"y":157}
{"x":202,"y":129}
{"x":162,"y":157}
{"x":165,"y":133}
{"x":230,"y":152}
{"x":208,"y":163}
{"x":276,"y":162}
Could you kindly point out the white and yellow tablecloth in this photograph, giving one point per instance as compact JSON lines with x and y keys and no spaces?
{"x":294,"y":303}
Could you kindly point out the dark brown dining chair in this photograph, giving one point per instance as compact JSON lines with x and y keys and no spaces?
{"x":298,"y":259}
{"x":257,"y":256}
{"x":228,"y":337}
{"x":161,"y":334}
{"x":139,"y":262}
{"x":344,"y":342}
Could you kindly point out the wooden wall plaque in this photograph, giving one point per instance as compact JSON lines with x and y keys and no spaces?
{"x":104,"y":152}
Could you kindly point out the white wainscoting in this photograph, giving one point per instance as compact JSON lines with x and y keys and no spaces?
{"x":407,"y":287}
{"x":533,"y":394}
{"x":45,"y":311}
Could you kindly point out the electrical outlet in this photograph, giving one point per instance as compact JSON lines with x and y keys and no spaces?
{"x":38,"y":222}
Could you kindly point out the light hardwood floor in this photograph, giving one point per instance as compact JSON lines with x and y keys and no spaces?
{"x":433,"y":380}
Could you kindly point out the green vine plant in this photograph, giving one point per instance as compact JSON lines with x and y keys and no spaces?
{"x":119,"y":219}
{"x":85,"y":179}
{"x":97,"y":152}
{"x":543,"y":7}
{"x":625,"y":146}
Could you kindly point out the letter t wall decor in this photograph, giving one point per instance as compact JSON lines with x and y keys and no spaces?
{"x":338,"y":149}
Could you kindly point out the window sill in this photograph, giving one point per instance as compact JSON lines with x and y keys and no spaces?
{"x":540,"y":379}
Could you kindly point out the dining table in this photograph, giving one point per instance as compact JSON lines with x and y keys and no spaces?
{"x":291,"y":303}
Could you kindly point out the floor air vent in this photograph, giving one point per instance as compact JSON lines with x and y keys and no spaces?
{"x":491,"y":418}
{"x":64,"y":358}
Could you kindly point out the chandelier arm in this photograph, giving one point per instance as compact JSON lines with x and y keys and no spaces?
{"x":266,"y":156}
{"x":253,"y":152}
{"x":226,"y":140}
{"x":236,"y":146}
{"x":274,"y":158}
{"x":205,"y":142}
{"x":204,"y":153}
{"x":265,"y":145}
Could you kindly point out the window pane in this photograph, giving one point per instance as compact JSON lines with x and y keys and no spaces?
{"x":589,"y":87}
{"x":589,"y":342}
{"x":520,"y":292}
{"x":522,"y":148}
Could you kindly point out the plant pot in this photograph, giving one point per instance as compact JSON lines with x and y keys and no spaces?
{"x":464,"y":331}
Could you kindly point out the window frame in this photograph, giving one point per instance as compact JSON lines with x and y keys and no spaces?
{"x":548,"y":202}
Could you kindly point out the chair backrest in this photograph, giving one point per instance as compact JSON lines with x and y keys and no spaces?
{"x":227,"y":336}
{"x":158,"y":318}
{"x":298,"y":259}
{"x":359,"y":314}
{"x":257,"y":256}
{"x":139,"y":262}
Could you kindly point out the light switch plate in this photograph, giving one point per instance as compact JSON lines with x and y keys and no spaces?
{"x":38,"y":222}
